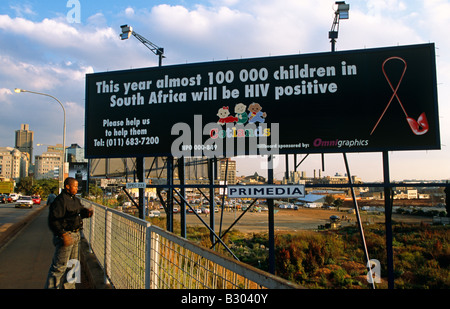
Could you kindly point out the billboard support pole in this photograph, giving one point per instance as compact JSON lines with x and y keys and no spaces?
{"x":271,"y":218}
{"x":211,"y":175}
{"x":358,"y":218}
{"x":140,"y":163}
{"x":223,"y":195}
{"x":181,"y":176}
{"x":388,"y":219}
{"x":286,"y":173}
{"x":170,"y":194}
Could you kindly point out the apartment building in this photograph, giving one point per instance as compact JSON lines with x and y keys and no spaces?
{"x":227,"y":171}
{"x":14,"y":164}
{"x":48,"y":164}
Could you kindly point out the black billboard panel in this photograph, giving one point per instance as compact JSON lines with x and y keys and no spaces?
{"x":354,"y":101}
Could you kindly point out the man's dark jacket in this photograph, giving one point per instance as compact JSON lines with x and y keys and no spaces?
{"x":66,"y":214}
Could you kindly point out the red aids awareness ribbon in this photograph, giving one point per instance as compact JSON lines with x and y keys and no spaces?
{"x":418,"y":127}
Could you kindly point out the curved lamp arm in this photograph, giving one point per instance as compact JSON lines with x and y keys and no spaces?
{"x":18,"y":90}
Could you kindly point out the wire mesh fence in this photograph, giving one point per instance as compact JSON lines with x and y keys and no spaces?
{"x":137,"y":255}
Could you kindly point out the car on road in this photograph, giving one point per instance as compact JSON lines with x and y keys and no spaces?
{"x":24,"y":201}
{"x":3,"y":199}
{"x":334,"y":218}
{"x":36,"y":199}
{"x":13,"y":197}
{"x":154,"y":214}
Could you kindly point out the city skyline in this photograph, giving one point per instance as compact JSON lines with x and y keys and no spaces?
{"x":43,"y":50}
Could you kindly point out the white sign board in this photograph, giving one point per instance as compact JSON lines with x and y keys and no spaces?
{"x":136,"y":185}
{"x":263,"y":191}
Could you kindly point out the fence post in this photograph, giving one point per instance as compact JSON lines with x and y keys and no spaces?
{"x":108,"y":230}
{"x":154,"y":259}
{"x":91,"y":228}
{"x":148,"y":250}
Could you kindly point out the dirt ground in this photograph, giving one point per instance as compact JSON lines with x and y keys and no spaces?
{"x":294,"y":220}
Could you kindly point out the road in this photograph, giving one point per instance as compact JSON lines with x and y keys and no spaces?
{"x":26,"y":257}
{"x":10,"y":215}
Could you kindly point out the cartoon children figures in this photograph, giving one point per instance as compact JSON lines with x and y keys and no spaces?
{"x":256,"y":115}
{"x":239,"y":109}
{"x":224,"y":115}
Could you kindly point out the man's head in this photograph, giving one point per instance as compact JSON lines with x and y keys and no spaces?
{"x":71,"y":185}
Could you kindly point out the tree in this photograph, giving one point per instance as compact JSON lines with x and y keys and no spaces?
{"x":25,"y":184}
{"x":48,"y":186}
{"x":121,"y":198}
{"x":95,"y":191}
{"x":36,"y":189}
{"x":338,"y":203}
{"x":329,"y":199}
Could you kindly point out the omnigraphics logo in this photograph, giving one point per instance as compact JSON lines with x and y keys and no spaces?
{"x":74,"y":14}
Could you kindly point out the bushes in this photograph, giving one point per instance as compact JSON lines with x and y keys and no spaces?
{"x":314,"y":260}
{"x":335,"y":259}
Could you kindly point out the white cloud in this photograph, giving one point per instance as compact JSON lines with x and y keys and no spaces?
{"x":40,"y":76}
{"x":380,"y":7}
{"x":5,"y":95}
{"x":53,"y":56}
{"x":97,"y":20}
{"x":90,"y":44}
{"x":249,"y":29}
{"x":22,"y":9}
{"x":129,"y":12}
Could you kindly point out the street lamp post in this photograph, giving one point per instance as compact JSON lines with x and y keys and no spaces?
{"x":61,"y":175}
{"x":127,"y":31}
{"x":340,"y":13}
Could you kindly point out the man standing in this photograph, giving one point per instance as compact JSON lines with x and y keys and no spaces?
{"x":65,"y":220}
{"x":51,"y":197}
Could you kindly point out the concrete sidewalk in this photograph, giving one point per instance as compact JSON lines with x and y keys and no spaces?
{"x":26,"y":258}
{"x":27,"y":251}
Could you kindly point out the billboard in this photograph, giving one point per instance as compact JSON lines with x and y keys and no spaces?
{"x":79,"y":171}
{"x":353,"y":101}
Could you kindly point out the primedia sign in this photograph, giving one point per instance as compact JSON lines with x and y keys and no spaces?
{"x":263,"y":191}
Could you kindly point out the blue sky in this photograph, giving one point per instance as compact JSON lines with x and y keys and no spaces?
{"x":41,"y":50}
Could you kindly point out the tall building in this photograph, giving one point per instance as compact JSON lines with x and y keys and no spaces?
{"x":24,"y":140}
{"x":13,"y":163}
{"x":229,"y":171}
{"x":75,"y":153}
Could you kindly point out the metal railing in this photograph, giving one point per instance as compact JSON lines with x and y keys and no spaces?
{"x":137,"y":255}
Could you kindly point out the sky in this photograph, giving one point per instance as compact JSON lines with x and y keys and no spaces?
{"x":50,"y":46}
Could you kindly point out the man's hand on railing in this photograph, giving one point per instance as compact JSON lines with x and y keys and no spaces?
{"x":90,"y":212}
{"x":87,"y":212}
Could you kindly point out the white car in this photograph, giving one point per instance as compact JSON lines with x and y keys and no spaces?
{"x":24,"y":201}
{"x":14,"y":197}
{"x":154,"y":214}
